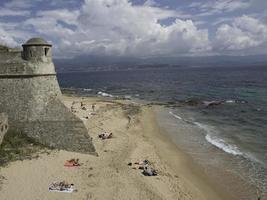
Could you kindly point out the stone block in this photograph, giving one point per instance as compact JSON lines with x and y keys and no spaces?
{"x":3,"y":126}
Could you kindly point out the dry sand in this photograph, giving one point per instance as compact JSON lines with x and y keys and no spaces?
{"x":107,"y":176}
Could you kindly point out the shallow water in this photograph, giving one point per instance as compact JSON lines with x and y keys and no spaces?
{"x":233,"y":132}
{"x":223,"y":162}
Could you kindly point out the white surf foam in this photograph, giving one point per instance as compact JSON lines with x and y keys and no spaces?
{"x":87,"y":89}
{"x":104,"y":94}
{"x":218,"y":142}
{"x":230,"y":101}
{"x":127,"y":96}
{"x":176,"y":116}
{"x":221,"y":144}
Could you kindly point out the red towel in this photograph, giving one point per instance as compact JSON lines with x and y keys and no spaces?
{"x":71,"y":164}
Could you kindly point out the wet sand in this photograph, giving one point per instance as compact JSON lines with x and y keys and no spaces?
{"x":107,"y":176}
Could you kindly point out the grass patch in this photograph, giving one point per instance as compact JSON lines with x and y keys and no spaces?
{"x":18,"y":146}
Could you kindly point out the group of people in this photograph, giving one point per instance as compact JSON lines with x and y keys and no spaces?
{"x":64,"y":186}
{"x":82,"y":106}
{"x":104,"y":136}
{"x":144,"y":165}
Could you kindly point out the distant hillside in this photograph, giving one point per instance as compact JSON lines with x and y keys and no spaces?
{"x":107,"y":63}
{"x":3,"y":48}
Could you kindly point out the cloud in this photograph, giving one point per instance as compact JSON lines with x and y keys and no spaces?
{"x":212,"y":7}
{"x":9,"y":12}
{"x":151,"y":3}
{"x":245,"y":32}
{"x":65,"y":15}
{"x":117,"y":27}
{"x":124,"y":28}
{"x":19,"y":4}
{"x":7,"y":39}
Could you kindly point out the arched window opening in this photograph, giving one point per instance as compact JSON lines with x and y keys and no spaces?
{"x":46,"y":51}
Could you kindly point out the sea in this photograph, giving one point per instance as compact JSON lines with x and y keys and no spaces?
{"x":222,"y":111}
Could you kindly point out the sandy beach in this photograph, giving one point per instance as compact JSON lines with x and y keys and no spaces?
{"x":107,"y":174}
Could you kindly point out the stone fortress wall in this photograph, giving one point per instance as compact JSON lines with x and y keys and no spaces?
{"x":3,"y":126}
{"x":30,"y":95}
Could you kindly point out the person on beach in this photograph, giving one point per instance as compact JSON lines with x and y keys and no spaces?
{"x":93,"y":107}
{"x":104,"y":136}
{"x":149,"y":171}
{"x":82,"y":104}
{"x":129,"y":119}
{"x":72,"y":163}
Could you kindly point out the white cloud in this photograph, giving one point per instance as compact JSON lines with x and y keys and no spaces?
{"x":19,"y":4}
{"x":10,"y":12}
{"x":65,"y":15}
{"x":212,"y":7}
{"x":245,"y":32}
{"x":119,"y":27}
{"x":6,"y":38}
{"x":150,"y":3}
{"x":116,"y":27}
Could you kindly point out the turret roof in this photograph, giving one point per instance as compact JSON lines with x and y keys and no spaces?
{"x":36,"y":41}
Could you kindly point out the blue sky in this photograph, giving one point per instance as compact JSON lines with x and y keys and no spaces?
{"x":140,"y":28}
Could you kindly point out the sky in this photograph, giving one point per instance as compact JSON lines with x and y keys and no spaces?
{"x":138,"y":28}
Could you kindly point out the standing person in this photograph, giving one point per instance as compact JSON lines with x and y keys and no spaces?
{"x":93,"y":107}
{"x":129,"y":119}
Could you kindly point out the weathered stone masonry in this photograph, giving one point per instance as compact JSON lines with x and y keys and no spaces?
{"x":30,"y":95}
{"x":3,"y":126}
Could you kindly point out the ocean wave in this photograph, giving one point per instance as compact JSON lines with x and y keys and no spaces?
{"x":218,"y":142}
{"x":87,"y":89}
{"x":230,"y":101}
{"x":104,"y":94}
{"x":221,"y":144}
{"x":212,"y":103}
{"x":128,"y":97}
{"x":176,"y":116}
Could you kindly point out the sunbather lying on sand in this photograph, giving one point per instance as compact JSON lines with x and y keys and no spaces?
{"x":149,"y":171}
{"x":140,"y":163}
{"x":61,"y":186}
{"x":144,"y":162}
{"x":104,"y":136}
{"x":72,"y":163}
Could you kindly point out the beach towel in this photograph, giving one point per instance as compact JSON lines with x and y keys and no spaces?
{"x":66,"y":190}
{"x":61,"y":187}
{"x":71,"y":164}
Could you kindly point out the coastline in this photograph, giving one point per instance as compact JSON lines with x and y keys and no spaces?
{"x":179,"y":162}
{"x":107,"y":176}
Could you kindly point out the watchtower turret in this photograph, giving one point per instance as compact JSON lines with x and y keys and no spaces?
{"x":31,"y":98}
{"x":37,"y":49}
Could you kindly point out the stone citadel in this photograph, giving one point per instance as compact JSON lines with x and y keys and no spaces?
{"x":30,"y":96}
